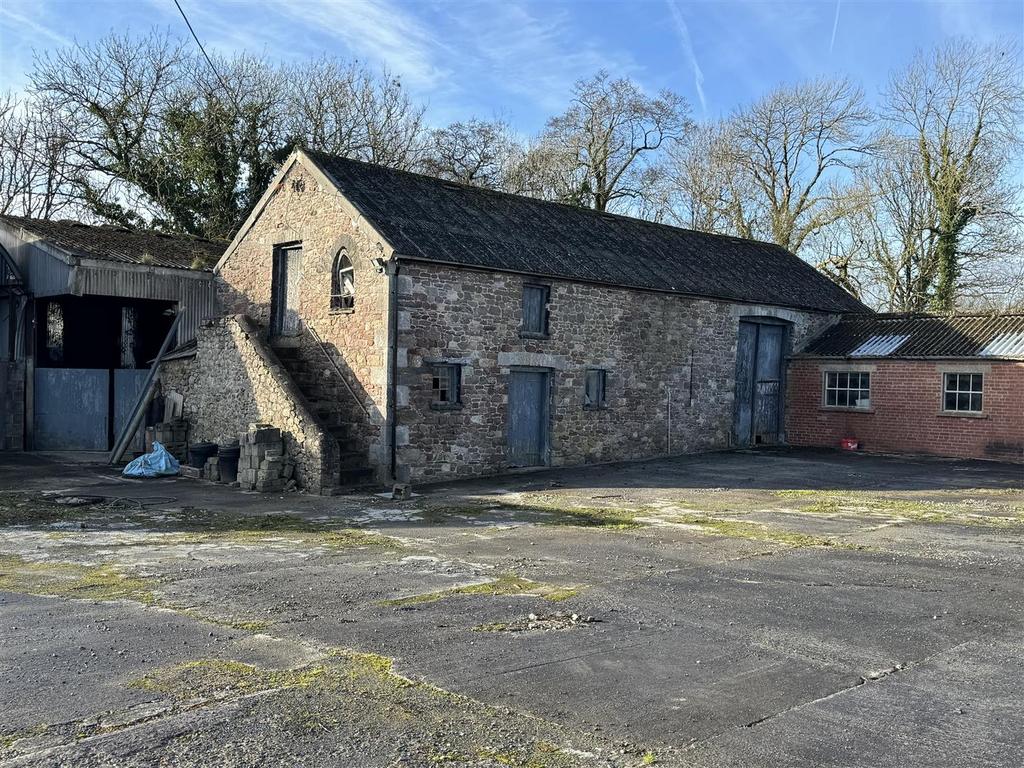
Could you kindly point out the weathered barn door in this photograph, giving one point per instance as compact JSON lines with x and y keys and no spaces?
{"x":284,"y":291}
{"x":71,"y":409}
{"x":527,"y":418}
{"x":128,"y":383}
{"x":759,"y":387}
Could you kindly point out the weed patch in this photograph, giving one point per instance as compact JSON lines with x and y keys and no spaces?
{"x":73,"y":580}
{"x":507,"y":584}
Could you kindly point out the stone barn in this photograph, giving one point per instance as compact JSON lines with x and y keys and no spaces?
{"x":397,"y":326}
{"x":944,"y":385}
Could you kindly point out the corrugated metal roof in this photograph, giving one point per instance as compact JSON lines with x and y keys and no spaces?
{"x":916,"y":336}
{"x":434,"y":220}
{"x":120,"y":244}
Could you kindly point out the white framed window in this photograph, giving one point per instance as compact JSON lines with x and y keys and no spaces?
{"x":847,"y":389}
{"x":963,"y":392}
{"x":594,"y":388}
{"x":343,"y":282}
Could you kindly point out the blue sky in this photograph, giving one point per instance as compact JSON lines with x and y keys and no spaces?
{"x":519,"y":58}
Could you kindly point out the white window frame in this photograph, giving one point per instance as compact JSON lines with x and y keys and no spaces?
{"x":343,"y":291}
{"x":837,"y":372}
{"x":971,"y":393}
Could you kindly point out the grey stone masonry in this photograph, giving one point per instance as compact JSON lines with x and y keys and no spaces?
{"x":234,"y":381}
{"x":12,"y":405}
{"x":669,"y":361}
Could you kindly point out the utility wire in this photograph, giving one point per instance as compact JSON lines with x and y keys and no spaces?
{"x":207,"y":56}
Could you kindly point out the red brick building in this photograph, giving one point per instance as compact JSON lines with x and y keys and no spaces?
{"x":949,"y":386}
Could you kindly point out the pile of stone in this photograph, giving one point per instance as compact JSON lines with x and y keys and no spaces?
{"x":173,"y":435}
{"x":263,"y":464}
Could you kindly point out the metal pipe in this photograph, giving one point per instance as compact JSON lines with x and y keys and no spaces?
{"x":121,"y":444}
{"x":392,"y":268}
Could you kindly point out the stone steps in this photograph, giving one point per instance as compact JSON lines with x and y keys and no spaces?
{"x":322,"y":394}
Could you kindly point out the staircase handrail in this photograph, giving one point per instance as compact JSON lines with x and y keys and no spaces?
{"x":323,"y":348}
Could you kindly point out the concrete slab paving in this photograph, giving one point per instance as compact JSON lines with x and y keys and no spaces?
{"x":749,"y":608}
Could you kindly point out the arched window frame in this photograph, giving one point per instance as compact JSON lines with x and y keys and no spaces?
{"x":343,"y":282}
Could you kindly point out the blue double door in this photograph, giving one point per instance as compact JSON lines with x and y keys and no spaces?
{"x":83,"y":409}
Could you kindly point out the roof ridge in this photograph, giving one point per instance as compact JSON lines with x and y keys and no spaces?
{"x":577,"y":208}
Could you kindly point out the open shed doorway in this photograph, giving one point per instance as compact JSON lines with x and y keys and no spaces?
{"x":760,"y":387}
{"x":92,"y":355}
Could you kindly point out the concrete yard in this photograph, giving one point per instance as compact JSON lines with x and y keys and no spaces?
{"x":775,"y":608}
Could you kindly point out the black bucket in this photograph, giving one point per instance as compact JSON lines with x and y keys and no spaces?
{"x":198,"y":453}
{"x":227,"y":462}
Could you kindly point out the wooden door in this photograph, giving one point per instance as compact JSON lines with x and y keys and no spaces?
{"x":759,"y":383}
{"x":527,"y":427}
{"x":284,"y":291}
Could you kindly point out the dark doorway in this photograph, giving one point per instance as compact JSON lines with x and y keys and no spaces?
{"x":527,"y":427}
{"x":284,"y":291}
{"x":760,"y":356}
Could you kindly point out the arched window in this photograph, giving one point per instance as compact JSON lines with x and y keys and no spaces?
{"x":343,"y":282}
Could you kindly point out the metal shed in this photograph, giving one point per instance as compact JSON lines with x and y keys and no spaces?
{"x":92,"y":306}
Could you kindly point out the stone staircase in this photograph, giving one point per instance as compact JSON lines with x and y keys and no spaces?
{"x":331,"y":404}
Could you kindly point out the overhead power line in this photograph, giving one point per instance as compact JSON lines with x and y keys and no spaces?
{"x":206,"y":56}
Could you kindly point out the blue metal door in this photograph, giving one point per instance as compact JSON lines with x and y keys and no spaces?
{"x":128,"y":384}
{"x":71,"y":409}
{"x":527,"y":418}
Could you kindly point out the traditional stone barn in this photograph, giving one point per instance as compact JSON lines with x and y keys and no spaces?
{"x":83,"y":310}
{"x":944,"y":385}
{"x":397,"y":326}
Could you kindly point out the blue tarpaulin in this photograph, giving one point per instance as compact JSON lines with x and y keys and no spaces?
{"x":153,"y":464}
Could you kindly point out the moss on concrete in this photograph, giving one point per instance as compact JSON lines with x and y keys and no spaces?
{"x":72,"y":580}
{"x":506,"y":584}
{"x":743,"y":529}
{"x":875,"y":504}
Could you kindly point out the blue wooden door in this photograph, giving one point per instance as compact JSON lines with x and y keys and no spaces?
{"x":71,"y":409}
{"x":759,"y":365}
{"x":527,"y":418}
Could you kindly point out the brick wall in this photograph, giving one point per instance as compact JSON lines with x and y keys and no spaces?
{"x":643,"y":339}
{"x":906,"y":409}
{"x":234,"y":381}
{"x":305,"y":210}
{"x":12,"y":406}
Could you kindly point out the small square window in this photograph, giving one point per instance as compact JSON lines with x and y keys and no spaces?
{"x":594,"y":388}
{"x":847,"y":389}
{"x":446,"y":384}
{"x":535,"y":310}
{"x":962,"y":392}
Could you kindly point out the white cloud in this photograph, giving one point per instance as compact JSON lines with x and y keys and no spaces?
{"x":683,"y":32}
{"x":835,"y":26}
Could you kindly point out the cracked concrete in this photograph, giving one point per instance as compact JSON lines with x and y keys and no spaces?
{"x":779,"y":624}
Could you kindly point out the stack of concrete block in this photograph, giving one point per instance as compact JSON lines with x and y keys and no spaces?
{"x":263,"y":464}
{"x":211,"y":471}
{"x":173,"y":435}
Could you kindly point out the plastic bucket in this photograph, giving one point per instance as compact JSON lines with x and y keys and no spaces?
{"x":198,"y":453}
{"x":227,"y":462}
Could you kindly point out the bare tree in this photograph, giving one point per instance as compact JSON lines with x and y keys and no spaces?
{"x":707,"y":189}
{"x":961,"y":105}
{"x":790,"y":146}
{"x":33,"y":160}
{"x":610,"y":133}
{"x":346,"y":109}
{"x":476,"y":152}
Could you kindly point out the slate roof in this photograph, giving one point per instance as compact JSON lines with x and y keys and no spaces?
{"x":435,"y":220}
{"x":120,"y":244}
{"x":923,"y":336}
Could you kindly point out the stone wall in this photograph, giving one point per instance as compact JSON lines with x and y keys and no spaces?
{"x":12,"y":405}
{"x":235,"y":380}
{"x":645,"y":340}
{"x":303,"y":209}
